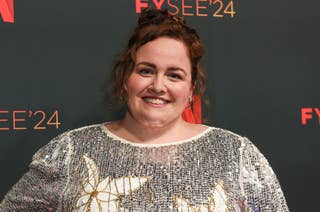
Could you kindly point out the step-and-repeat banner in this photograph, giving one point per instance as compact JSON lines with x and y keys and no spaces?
{"x":261,"y":58}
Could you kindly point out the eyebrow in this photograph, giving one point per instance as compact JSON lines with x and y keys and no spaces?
{"x":173,"y":68}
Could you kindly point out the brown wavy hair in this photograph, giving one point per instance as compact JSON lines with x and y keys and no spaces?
{"x":153,"y":24}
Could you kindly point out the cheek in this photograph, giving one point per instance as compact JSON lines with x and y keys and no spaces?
{"x":135,"y":85}
{"x":132,"y":84}
{"x":182,"y":93}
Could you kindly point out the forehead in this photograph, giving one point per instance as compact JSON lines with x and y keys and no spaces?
{"x":164,"y":51}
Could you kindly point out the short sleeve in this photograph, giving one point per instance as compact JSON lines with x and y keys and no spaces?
{"x":41,"y":188}
{"x":259,"y":183}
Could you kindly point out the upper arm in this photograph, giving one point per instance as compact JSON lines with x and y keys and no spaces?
{"x":258,"y":181}
{"x":41,"y":187}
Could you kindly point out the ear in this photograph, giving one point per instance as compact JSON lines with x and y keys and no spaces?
{"x":124,"y":92}
{"x":124,"y":86}
{"x":192,"y":89}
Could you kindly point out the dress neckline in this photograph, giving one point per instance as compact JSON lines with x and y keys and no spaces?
{"x":174,"y":143}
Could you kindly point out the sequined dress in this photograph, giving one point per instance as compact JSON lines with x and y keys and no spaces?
{"x":91,"y":169}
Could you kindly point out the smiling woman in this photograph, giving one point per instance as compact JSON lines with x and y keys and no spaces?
{"x":153,"y":159}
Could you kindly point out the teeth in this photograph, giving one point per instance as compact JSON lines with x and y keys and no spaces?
{"x":155,"y":101}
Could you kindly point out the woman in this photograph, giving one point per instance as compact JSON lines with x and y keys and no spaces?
{"x":152,"y":159}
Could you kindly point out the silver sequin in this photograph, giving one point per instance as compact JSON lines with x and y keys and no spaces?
{"x":89,"y":168}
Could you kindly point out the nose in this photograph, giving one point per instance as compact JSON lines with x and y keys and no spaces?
{"x":158,"y":85}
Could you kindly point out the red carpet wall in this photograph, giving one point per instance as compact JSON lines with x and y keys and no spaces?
{"x":262,"y":62}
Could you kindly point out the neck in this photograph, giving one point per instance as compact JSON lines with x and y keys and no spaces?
{"x":150,"y":132}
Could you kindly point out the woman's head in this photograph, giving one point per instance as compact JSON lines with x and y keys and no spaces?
{"x":159,"y":86}
{"x":154,"y":24}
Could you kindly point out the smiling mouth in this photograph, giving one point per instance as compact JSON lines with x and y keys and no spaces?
{"x":156,"y":101}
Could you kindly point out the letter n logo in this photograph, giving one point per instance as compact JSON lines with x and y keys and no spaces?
{"x":7,"y":10}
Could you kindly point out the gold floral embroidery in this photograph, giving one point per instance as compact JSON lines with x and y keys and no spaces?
{"x":104,"y":194}
{"x":217,"y":201}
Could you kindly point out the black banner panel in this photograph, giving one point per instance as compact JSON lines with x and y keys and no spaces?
{"x":261,"y":61}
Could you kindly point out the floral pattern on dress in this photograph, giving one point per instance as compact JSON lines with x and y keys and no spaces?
{"x":217,"y":202}
{"x":104,"y":194}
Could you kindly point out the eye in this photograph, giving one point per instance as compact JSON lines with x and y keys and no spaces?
{"x":145,"y":72}
{"x":175,"y":76}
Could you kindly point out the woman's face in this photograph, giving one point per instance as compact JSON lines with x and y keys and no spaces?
{"x":159,"y":86}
